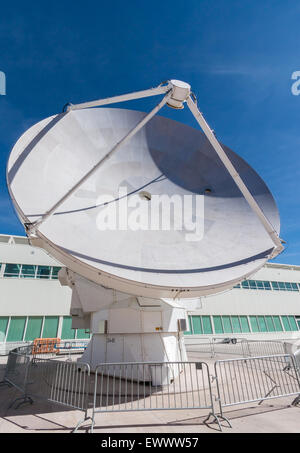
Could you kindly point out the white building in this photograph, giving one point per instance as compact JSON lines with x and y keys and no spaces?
{"x":267,"y":306}
{"x":33,"y":304}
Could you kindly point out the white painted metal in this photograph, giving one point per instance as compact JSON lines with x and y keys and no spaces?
{"x":124,"y":327}
{"x":238,"y":180}
{"x":151,"y":264}
{"x":161,"y":89}
{"x":180,"y":93}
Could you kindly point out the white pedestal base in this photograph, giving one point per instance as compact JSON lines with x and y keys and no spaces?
{"x":147,"y":347}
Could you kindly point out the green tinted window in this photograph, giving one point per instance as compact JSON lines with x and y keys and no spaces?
{"x":286,"y":323}
{"x":207,"y":327}
{"x":227,"y":324}
{"x":12,"y":270}
{"x":16,"y":328}
{"x":67,"y":332}
{"x":28,"y":271}
{"x":277,"y":324}
{"x":275,"y":286}
{"x":218,"y":324}
{"x":50,"y":327}
{"x":252,"y":284}
{"x":235,"y":324}
{"x":254,"y":324}
{"x":43,"y":272}
{"x":244,"y":324}
{"x":262,"y":324}
{"x":245,"y":284}
{"x":267,"y":285}
{"x":82,"y":334}
{"x":55,"y":271}
{"x":3,"y":327}
{"x":34,"y":328}
{"x":293,"y":323}
{"x":197,"y":326}
{"x":270,"y":324}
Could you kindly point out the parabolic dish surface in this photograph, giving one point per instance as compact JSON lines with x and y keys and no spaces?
{"x":164,"y":158}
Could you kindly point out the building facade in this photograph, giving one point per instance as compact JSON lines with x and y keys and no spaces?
{"x":267,"y":306}
{"x":33,"y":304}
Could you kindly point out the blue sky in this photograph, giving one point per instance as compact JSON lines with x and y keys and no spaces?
{"x":237,"y":55}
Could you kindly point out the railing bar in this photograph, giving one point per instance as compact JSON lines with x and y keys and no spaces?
{"x":192,"y":384}
{"x":107,"y":385}
{"x":251,"y":380}
{"x":80,"y":386}
{"x":185,"y":382}
{"x":138,"y":385}
{"x":114,"y":389}
{"x":162,"y":386}
{"x":248,"y":376}
{"x":144,"y":385}
{"x":132,"y":386}
{"x":227,"y":383}
{"x":120,"y":384}
{"x":72,"y":385}
{"x":263,"y":376}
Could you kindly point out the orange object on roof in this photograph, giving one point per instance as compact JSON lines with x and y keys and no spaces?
{"x":46,"y":346}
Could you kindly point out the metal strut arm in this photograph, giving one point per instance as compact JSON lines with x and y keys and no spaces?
{"x":32,"y":226}
{"x":161,"y":89}
{"x":236,"y":177}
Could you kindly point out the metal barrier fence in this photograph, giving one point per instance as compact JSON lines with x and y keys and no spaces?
{"x":6,"y":347}
{"x":148,"y":386}
{"x":145,"y":386}
{"x":238,"y":347}
{"x":62,"y":382}
{"x":16,"y":374}
{"x":265,"y":347}
{"x":241,"y":381}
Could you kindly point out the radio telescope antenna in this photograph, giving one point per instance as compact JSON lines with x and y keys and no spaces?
{"x":66,"y":170}
{"x":177,"y":93}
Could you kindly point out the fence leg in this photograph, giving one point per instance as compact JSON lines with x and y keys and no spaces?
{"x":216,"y":419}
{"x":81,"y":422}
{"x":92,"y":425}
{"x":296,"y":401}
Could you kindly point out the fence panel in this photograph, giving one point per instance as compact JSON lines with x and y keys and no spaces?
{"x":17,"y":370}
{"x":147,"y":386}
{"x":265,"y":347}
{"x":60,"y":382}
{"x":16,"y":375}
{"x":247,"y":380}
{"x":204,"y":346}
{"x":231,"y":346}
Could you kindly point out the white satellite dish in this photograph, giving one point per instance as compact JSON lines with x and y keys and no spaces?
{"x":62,"y":168}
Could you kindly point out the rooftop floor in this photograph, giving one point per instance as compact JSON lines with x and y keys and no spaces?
{"x":272,"y":416}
